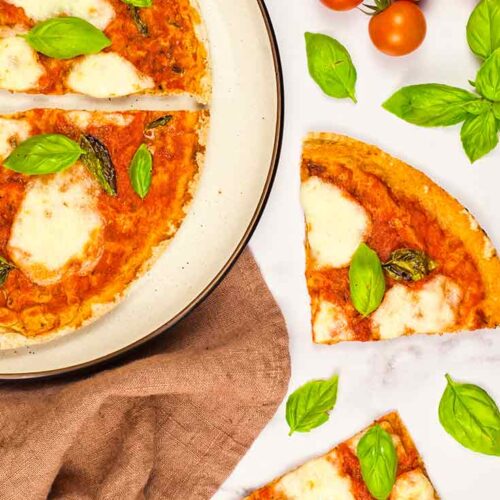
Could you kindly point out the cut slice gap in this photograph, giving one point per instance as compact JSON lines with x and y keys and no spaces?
{"x":353,"y":193}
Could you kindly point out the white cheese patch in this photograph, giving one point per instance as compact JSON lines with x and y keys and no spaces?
{"x":319,"y":479}
{"x":19,"y":66}
{"x":430,"y":309}
{"x":413,"y":485}
{"x":98,"y":12}
{"x":12,"y":132}
{"x":58,"y":228}
{"x":336,"y":224}
{"x":330,"y":324}
{"x":83,"y":119}
{"x":107,"y":75}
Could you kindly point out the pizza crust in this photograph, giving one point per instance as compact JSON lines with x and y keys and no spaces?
{"x":405,"y":181}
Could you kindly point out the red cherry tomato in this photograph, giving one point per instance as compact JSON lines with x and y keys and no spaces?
{"x":399,"y":29}
{"x":341,"y":4}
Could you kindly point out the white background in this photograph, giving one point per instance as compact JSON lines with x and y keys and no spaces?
{"x":405,"y":374}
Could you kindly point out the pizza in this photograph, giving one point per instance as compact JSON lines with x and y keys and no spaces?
{"x":441,"y":271}
{"x":72,"y":241}
{"x":159,"y":49}
{"x":337,"y":475}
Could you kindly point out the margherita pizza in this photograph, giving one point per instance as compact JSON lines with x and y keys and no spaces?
{"x":338,"y":476}
{"x":89,"y":199}
{"x":422,"y":262}
{"x":122,"y":49}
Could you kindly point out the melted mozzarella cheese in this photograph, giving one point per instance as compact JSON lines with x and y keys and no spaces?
{"x":330,"y":324}
{"x":12,"y":132}
{"x":412,"y":485}
{"x":107,"y":75}
{"x":319,"y":479}
{"x":336,"y":224}
{"x":82,"y":119}
{"x":98,"y":12}
{"x":430,"y":309}
{"x":58,"y":228}
{"x":19,"y":66}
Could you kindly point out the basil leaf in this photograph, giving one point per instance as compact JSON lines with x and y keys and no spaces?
{"x":43,"y":154}
{"x":5,"y":268}
{"x":159,"y":122}
{"x":483,"y":28}
{"x":488,"y":77}
{"x":141,"y":26}
{"x":98,"y":161}
{"x":471,"y":417}
{"x":478,"y":107}
{"x":139,"y":3}
{"x":407,"y":264}
{"x":379,"y":462}
{"x":479,"y":135}
{"x":308,"y":406}
{"x":431,"y":105}
{"x":66,"y":37}
{"x":141,"y":171}
{"x":496,"y":110}
{"x":366,"y":280}
{"x":330,"y":66}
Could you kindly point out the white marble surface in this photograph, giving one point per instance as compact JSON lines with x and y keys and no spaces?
{"x":406,"y":374}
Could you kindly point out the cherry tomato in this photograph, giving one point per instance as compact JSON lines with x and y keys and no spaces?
{"x":341,"y":4}
{"x":399,"y":29}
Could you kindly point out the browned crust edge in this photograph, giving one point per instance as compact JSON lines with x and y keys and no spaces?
{"x":409,"y":182}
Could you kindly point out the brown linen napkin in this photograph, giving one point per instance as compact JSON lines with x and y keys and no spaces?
{"x":169,"y":423}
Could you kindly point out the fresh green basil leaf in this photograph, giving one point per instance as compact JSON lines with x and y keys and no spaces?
{"x":66,"y":37}
{"x":471,"y":417}
{"x":139,"y":3}
{"x":496,"y":110}
{"x":431,"y":104}
{"x":379,"y":462}
{"x":479,"y":135}
{"x":483,"y":28}
{"x":488,"y":77}
{"x":43,"y":154}
{"x":366,"y":280}
{"x":5,"y":268}
{"x":478,"y":107}
{"x":330,"y":66}
{"x":308,"y":406}
{"x":98,"y":161}
{"x":141,"y":171}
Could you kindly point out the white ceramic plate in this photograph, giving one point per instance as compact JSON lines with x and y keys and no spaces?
{"x":243,"y":148}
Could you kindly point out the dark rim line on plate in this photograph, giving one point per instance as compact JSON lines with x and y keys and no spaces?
{"x":103,"y":360}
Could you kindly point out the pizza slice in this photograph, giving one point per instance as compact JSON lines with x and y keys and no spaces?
{"x":89,"y":201}
{"x":158,"y":49}
{"x":337,"y":475}
{"x":440,"y":270}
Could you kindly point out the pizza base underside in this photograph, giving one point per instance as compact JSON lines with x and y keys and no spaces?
{"x":179,"y":147}
{"x":337,"y":474}
{"x":324,"y":154}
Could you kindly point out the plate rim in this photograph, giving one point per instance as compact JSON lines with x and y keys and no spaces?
{"x":102,"y":361}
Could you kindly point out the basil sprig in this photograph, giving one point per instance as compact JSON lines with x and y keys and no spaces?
{"x":470,"y":416}
{"x":141,"y":171}
{"x":366,"y":280}
{"x":330,"y":66}
{"x":308,"y":406}
{"x":436,"y":105}
{"x":44,"y":154}
{"x":379,"y":462}
{"x":66,"y":37}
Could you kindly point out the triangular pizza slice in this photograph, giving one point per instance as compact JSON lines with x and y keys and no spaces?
{"x":438,"y":271}
{"x":338,"y":476}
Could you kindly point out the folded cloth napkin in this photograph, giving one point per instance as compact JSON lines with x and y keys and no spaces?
{"x":169,"y":422}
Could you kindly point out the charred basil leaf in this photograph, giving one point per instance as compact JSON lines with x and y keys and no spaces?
{"x":98,"y":160}
{"x":141,"y":171}
{"x":5,"y":268}
{"x":407,"y":264}
{"x":66,"y":37}
{"x":141,"y":26}
{"x":43,"y":154}
{"x":159,"y":122}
